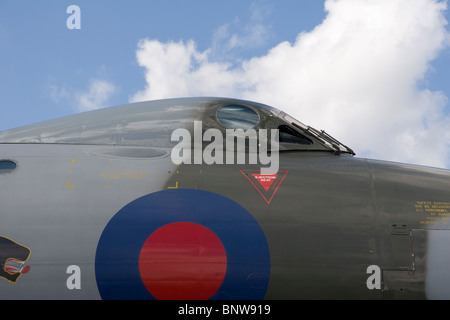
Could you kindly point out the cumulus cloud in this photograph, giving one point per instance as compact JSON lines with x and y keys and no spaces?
{"x":97,"y":95}
{"x":235,"y":37}
{"x":358,"y":75}
{"x":178,"y":69}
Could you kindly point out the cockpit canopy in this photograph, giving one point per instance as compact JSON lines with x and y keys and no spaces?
{"x":151,"y":124}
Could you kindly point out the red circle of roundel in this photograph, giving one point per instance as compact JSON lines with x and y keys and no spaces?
{"x":182,"y":261}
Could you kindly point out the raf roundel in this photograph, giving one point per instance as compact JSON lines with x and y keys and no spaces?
{"x":182,"y":245}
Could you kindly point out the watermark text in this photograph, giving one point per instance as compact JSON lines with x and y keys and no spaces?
{"x":241,"y":147}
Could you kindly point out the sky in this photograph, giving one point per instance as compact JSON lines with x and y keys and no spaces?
{"x":375,"y":74}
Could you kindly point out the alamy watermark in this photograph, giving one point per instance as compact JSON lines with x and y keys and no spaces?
{"x":74,"y":20}
{"x":241,"y":147}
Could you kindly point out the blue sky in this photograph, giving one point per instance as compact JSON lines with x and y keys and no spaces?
{"x":318,"y":60}
{"x":37,"y":49}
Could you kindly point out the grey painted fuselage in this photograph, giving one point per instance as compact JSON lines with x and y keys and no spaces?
{"x":335,"y":226}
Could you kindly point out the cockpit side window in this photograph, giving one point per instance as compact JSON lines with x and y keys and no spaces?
{"x":289,"y":135}
{"x":237,"y":117}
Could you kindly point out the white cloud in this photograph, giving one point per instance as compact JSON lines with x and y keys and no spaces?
{"x":97,"y":95}
{"x":57,"y":93}
{"x":355,"y":75}
{"x":178,"y":69}
{"x":237,"y":36}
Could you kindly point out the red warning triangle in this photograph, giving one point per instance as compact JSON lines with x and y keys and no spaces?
{"x":266,"y":184}
{"x":266,"y":180}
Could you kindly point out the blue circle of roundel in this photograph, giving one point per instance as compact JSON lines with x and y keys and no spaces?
{"x":117,"y":257}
